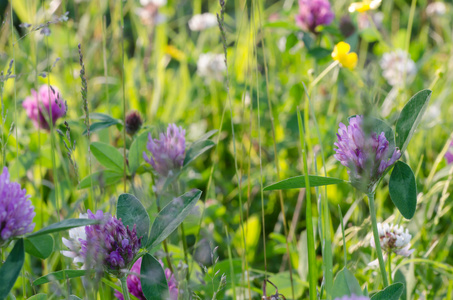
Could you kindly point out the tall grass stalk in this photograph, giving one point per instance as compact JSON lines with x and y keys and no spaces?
{"x":274,"y":143}
{"x":376,"y":239}
{"x":104,"y":58}
{"x":324,"y":207}
{"x":123,"y":94}
{"x":220,"y":20}
{"x":312,"y":267}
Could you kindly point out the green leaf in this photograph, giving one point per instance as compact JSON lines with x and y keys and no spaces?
{"x":135,"y":155}
{"x":132,"y":212}
{"x":152,"y":278}
{"x":345,"y":284}
{"x":299,"y":182}
{"x":108,"y":156}
{"x":11,"y":268}
{"x":171,"y":216}
{"x":39,"y":246}
{"x":40,"y":296}
{"x":403,"y":190}
{"x":59,"y":275}
{"x":410,"y":117}
{"x":74,"y":297}
{"x":105,"y":177}
{"x":196,"y":149}
{"x":64,"y":225}
{"x":106,"y":121}
{"x":392,"y":292}
{"x":282,"y":24}
{"x":399,"y":277}
{"x":207,"y":135}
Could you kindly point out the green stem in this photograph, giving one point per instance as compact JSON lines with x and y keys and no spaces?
{"x":184,"y":245}
{"x":124,"y":287}
{"x":390,"y":267}
{"x":376,"y":239}
{"x":312,"y":267}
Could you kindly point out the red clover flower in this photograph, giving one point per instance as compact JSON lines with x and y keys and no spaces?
{"x":366,"y":157}
{"x":16,"y":210}
{"x":167,"y":152}
{"x":39,"y":105}
{"x":110,"y":242}
{"x":313,"y":13}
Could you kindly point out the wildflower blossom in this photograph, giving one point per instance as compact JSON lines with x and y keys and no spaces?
{"x":211,"y":66}
{"x":133,"y":122}
{"x":202,"y":21}
{"x":167,"y":152}
{"x":436,"y":9}
{"x":393,"y":238}
{"x":395,"y":64}
{"x":449,"y":154}
{"x":157,"y":3}
{"x":16,"y":210}
{"x":364,"y":5}
{"x":73,"y":243}
{"x":110,"y":242}
{"x":40,"y":104}
{"x":313,"y":13}
{"x":340,"y":54}
{"x":366,"y":157}
{"x":135,"y":287}
{"x":353,"y":297}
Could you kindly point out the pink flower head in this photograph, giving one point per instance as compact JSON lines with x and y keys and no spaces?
{"x":313,"y":13}
{"x":44,"y":106}
{"x":353,"y":297}
{"x":167,"y":152}
{"x":135,"y":287}
{"x":366,"y":157}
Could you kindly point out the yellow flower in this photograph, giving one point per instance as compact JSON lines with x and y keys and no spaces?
{"x":340,"y":53}
{"x":364,"y":5}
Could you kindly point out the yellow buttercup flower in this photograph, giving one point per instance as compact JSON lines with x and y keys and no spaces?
{"x":340,"y":53}
{"x":365,"y":5}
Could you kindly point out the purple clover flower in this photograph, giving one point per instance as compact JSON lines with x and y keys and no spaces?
{"x":16,"y":210}
{"x":449,"y":154}
{"x":110,"y":242}
{"x":353,"y":297}
{"x":135,"y":287}
{"x":39,"y":105}
{"x":313,"y":13}
{"x":167,"y":152}
{"x":367,"y":157}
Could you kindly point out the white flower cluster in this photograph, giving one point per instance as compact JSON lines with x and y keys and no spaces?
{"x":211,"y":66}
{"x":157,"y":3}
{"x":202,"y":22}
{"x":73,"y":244}
{"x":395,"y":64}
{"x":394,"y":239}
{"x":436,"y":9}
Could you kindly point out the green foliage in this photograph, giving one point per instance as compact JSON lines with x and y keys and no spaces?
{"x":108,"y":156}
{"x":392,"y":292}
{"x":11,"y":268}
{"x":131,"y":212}
{"x":64,"y":225}
{"x":410,"y":117}
{"x":403,"y":189}
{"x":40,"y":246}
{"x":136,"y":151}
{"x":299,"y":182}
{"x":152,"y":278}
{"x":171,"y":216}
{"x":59,"y":275}
{"x":345,"y":284}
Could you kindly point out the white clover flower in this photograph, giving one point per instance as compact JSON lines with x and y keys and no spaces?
{"x":157,"y":3}
{"x":202,"y":22}
{"x":394,"y":64}
{"x":73,"y":244}
{"x":393,"y":238}
{"x":211,"y":66}
{"x":436,"y":9}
